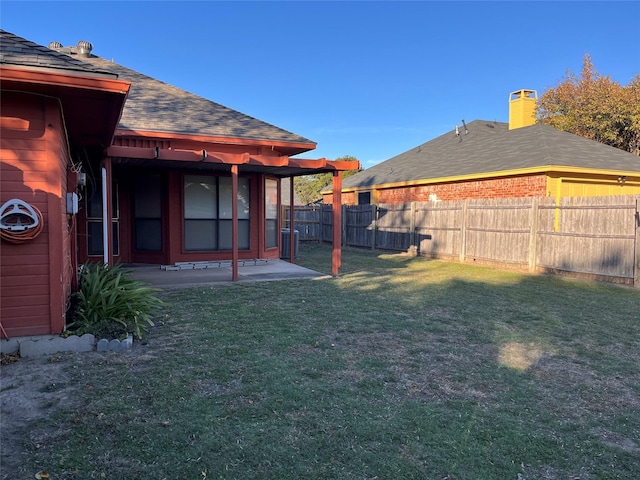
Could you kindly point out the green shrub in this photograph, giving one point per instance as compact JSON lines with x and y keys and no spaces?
{"x":110,"y":304}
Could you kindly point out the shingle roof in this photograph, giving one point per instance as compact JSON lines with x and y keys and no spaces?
{"x":490,"y":147}
{"x":19,"y":52}
{"x":152,"y":105}
{"x":155,"y":106}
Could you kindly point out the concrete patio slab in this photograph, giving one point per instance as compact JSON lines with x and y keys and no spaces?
{"x":248,"y":271}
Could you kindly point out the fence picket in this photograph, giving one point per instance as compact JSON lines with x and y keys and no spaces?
{"x":595,"y":236}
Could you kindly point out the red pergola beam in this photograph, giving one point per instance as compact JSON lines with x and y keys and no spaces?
{"x":304,"y":163}
{"x":179,"y":155}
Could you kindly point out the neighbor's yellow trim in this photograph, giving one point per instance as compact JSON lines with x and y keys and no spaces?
{"x":548,"y":170}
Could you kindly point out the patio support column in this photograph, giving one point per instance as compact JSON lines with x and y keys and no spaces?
{"x":291,"y":223}
{"x":336,"y":256}
{"x":234,"y":223}
{"x":107,"y":208}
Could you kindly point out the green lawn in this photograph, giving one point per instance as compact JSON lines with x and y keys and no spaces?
{"x":400,"y":368}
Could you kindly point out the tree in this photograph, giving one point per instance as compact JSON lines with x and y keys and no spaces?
{"x":308,"y":187}
{"x":594,"y":107}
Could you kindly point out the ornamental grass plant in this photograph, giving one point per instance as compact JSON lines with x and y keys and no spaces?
{"x":111,"y":304}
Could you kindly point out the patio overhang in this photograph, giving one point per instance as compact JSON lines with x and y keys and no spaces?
{"x":211,"y":158}
{"x":278,"y":165}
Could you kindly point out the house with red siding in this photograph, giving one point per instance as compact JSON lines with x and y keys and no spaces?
{"x":101,"y":163}
{"x":487,"y":159}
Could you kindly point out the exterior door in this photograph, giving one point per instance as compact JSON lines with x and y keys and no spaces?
{"x":148,"y":229}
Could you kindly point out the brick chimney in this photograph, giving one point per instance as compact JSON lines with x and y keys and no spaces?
{"x":522,"y":108}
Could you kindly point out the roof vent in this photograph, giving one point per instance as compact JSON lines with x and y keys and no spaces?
{"x":84,"y":48}
{"x":55,"y":45}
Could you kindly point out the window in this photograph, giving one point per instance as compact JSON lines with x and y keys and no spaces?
{"x":95,"y":244}
{"x":271,"y":212}
{"x":364,"y":198}
{"x":208,"y":219}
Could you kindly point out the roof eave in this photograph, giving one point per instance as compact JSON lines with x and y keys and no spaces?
{"x":92,"y":105}
{"x":291,"y":148}
{"x":106,"y":83}
{"x":544,"y":169}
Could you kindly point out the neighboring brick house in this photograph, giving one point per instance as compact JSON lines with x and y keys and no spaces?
{"x":487,"y":159}
{"x":100,"y":163}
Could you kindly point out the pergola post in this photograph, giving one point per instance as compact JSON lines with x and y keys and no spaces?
{"x":336,"y":255}
{"x":291,"y":223}
{"x":234,"y":223}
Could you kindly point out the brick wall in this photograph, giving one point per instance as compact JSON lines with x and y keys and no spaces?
{"x":508,"y":187}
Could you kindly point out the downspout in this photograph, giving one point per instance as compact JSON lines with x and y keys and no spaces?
{"x":105,"y":219}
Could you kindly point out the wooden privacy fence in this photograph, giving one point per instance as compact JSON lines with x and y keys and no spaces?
{"x":593,"y":236}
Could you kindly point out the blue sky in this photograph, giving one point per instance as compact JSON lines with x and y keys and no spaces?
{"x":370,"y":79}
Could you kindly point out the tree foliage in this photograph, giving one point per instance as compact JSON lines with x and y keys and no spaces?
{"x":594,"y":107}
{"x":308,"y":187}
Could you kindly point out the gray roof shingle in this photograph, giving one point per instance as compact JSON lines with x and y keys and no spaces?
{"x":152,"y":105}
{"x":155,"y":106}
{"x":490,"y":147}
{"x":19,"y":52}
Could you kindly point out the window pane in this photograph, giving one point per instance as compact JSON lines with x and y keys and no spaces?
{"x":116,"y":238}
{"x":243,"y":235}
{"x":271,"y":198}
{"x":271,"y":233}
{"x":243,"y":198}
{"x":200,"y":235}
{"x":94,"y":238}
{"x":271,"y":212}
{"x":225,"y":235}
{"x":226,"y":197}
{"x":200,"y":197}
{"x":94,"y":200}
{"x":94,"y":203}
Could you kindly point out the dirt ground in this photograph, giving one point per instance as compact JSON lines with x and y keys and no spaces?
{"x":31,"y":389}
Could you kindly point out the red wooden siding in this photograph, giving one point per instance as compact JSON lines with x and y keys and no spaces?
{"x":35,"y":280}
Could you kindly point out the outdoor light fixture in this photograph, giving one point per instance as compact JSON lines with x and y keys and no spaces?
{"x":622,"y":178}
{"x":156,"y":152}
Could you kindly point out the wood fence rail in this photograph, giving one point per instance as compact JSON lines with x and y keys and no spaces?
{"x":596,"y":237}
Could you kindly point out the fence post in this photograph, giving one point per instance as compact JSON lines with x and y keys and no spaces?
{"x":412,"y":226}
{"x":320,"y":223}
{"x":636,"y":247}
{"x":374,"y":214}
{"x":533,"y":235}
{"x":344,"y":225}
{"x":463,"y":230}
